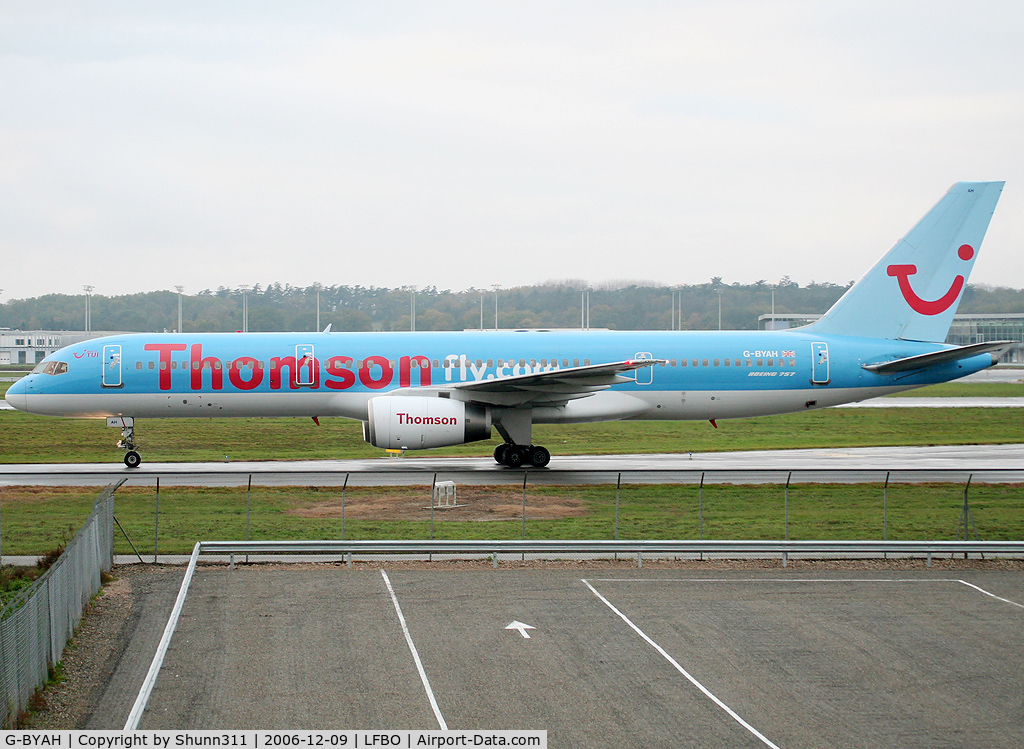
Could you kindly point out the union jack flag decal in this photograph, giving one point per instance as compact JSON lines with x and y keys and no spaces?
{"x":788,"y":354}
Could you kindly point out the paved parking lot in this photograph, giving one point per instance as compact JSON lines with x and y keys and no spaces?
{"x":615,"y":658}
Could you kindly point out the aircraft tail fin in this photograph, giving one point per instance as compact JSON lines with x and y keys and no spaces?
{"x":913,"y":292}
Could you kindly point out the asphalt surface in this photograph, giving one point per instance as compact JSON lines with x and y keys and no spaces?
{"x":1005,"y":462}
{"x":723,"y":659}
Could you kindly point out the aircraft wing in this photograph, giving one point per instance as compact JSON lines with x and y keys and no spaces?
{"x":553,"y":387}
{"x":921,"y":361}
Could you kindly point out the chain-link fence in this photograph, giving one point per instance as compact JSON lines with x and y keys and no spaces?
{"x":876,"y":505}
{"x":37,"y":623}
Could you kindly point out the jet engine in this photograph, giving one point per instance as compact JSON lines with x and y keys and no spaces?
{"x":416,"y":423}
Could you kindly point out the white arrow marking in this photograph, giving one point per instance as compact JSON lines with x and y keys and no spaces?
{"x":521,"y":627}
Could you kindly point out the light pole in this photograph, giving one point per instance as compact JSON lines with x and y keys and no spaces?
{"x":719,"y":309}
{"x":496,"y":286}
{"x":245,"y":307}
{"x":179,"y":289}
{"x":88,"y":310}
{"x":317,"y":286}
{"x":412,"y":309}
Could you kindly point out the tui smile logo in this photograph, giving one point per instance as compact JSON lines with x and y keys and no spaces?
{"x":903,"y":273}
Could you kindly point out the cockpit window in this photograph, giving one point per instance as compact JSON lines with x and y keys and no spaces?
{"x":51,"y":368}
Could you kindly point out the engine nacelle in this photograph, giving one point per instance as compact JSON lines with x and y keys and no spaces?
{"x":416,"y":423}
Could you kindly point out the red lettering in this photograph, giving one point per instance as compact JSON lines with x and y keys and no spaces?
{"x":336,"y":368}
{"x":164,"y":365}
{"x":199,"y":363}
{"x":235,"y":373}
{"x":366,"y":372}
{"x":405,"y":370}
{"x":294,"y":368}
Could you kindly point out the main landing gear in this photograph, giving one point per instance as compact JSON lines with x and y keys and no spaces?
{"x":513,"y":455}
{"x":132,"y":459}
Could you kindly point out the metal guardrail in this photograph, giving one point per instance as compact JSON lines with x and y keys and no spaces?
{"x":560,"y":549}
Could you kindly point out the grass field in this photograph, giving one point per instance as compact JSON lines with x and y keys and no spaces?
{"x":967,"y":390}
{"x":34,"y":519}
{"x":816,"y":511}
{"x":36,"y":439}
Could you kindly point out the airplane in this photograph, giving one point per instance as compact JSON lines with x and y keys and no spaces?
{"x":425,"y":390}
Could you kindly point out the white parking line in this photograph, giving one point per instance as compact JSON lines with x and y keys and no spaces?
{"x":415,"y":654}
{"x":993,"y":595}
{"x":661,"y":651}
{"x":805,"y":580}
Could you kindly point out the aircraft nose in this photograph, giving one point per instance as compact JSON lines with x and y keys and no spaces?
{"x":17,"y":396}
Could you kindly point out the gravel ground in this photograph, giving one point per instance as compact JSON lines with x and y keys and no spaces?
{"x":92,"y":657}
{"x":95,"y":689}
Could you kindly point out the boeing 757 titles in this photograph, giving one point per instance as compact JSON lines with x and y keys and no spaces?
{"x":414,"y":391}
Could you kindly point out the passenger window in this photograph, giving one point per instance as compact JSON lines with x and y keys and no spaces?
{"x":150,"y":365}
{"x":771,"y":362}
{"x":586,"y":362}
{"x":728,"y":362}
{"x":717,"y":363}
{"x":760,"y":362}
{"x":704,"y":363}
{"x":792,"y":362}
{"x":750,"y":362}
{"x":138,"y":365}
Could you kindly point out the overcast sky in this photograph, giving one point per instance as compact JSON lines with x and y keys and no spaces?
{"x":465,"y":144}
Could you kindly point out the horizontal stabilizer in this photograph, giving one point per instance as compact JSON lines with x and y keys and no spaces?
{"x":922,"y":361}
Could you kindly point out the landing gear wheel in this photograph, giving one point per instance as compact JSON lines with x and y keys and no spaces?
{"x":499,"y":453}
{"x":539,"y":456}
{"x":132,"y":459}
{"x":514,"y":456}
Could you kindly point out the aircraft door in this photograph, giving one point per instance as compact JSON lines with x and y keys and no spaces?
{"x":305,"y":364}
{"x":819,"y":364}
{"x":644,"y":376}
{"x":112,"y":366}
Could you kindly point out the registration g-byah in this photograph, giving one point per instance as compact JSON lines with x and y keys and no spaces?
{"x":421,"y":390}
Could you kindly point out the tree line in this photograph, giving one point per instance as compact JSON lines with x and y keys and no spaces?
{"x":278,"y":307}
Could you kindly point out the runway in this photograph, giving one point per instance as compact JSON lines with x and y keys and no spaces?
{"x":987,"y":462}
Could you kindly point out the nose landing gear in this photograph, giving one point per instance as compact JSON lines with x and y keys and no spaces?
{"x":132,"y":459}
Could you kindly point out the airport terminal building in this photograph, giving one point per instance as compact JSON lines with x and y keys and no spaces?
{"x":966,"y":329}
{"x":32,"y":346}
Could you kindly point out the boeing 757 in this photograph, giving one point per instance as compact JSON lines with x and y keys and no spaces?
{"x":423,"y":390}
